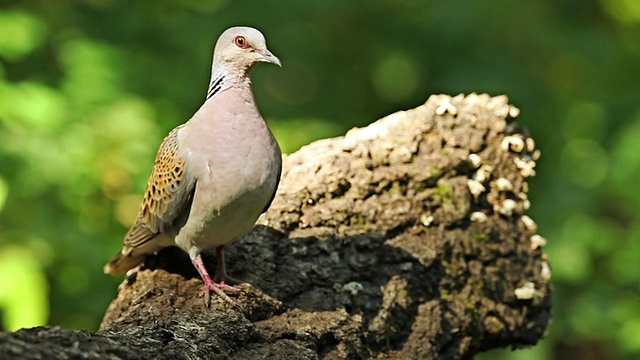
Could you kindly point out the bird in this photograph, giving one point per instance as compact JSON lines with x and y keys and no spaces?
{"x":213,"y":175}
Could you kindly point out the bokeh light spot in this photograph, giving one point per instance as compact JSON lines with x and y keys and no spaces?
{"x":586,"y":120}
{"x":625,"y":11}
{"x":20,"y":33}
{"x":23,"y":294}
{"x":396,"y":77}
{"x":584,"y":163}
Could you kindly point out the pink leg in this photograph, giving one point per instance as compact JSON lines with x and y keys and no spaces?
{"x":209,"y":284}
{"x":221,"y":270}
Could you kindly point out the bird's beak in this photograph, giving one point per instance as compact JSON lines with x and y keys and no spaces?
{"x":267,"y":56}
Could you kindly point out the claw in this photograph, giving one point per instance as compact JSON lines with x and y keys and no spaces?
{"x":216,"y":287}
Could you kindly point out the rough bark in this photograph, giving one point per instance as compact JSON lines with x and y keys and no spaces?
{"x":390,"y":242}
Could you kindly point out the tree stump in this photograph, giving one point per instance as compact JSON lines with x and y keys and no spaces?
{"x":405,"y":239}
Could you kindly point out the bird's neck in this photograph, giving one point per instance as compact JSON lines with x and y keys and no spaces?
{"x":223,"y":78}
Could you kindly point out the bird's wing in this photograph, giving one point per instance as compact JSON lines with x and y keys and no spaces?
{"x":169,"y":192}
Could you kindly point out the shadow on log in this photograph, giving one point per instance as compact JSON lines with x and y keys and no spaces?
{"x":406,"y":239}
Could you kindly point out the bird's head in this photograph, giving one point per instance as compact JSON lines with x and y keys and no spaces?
{"x":243,"y":47}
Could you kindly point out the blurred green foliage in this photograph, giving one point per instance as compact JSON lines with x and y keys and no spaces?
{"x":88,"y":89}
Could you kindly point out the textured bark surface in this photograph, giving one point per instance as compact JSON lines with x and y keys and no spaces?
{"x":390,"y":242}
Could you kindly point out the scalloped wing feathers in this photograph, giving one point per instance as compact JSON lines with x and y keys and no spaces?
{"x":169,"y":192}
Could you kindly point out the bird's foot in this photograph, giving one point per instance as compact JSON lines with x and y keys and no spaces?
{"x":219,"y":288}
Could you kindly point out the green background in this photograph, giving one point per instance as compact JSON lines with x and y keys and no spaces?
{"x":88,"y":89}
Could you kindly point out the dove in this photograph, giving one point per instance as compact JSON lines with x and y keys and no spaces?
{"x":213,"y":175}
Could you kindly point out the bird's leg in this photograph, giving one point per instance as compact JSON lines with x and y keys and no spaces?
{"x":210,"y":285}
{"x":221,"y":270}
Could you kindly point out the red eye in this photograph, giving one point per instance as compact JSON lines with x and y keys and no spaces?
{"x":241,"y":42}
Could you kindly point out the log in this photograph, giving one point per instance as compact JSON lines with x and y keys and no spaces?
{"x":406,"y":239}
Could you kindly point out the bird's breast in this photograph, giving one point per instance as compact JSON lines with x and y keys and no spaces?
{"x":234,"y":155}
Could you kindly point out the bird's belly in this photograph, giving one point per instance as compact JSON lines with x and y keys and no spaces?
{"x":228,"y":223}
{"x":226,"y":206}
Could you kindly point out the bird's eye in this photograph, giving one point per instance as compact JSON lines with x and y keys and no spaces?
{"x":241,"y":42}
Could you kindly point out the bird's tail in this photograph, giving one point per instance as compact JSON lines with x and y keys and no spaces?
{"x":122,"y":263}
